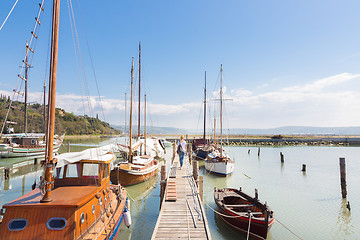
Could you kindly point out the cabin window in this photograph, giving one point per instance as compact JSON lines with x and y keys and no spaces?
{"x":90,"y":170}
{"x":73,"y":170}
{"x":60,"y":172}
{"x":56,"y":223}
{"x":17,"y":224}
{"x":33,"y":141}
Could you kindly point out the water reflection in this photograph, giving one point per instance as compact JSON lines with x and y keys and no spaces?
{"x":345,"y":227}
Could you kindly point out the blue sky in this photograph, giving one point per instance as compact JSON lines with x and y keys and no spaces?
{"x":285,"y":62}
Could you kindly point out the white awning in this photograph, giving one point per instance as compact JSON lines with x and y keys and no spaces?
{"x":104,"y":153}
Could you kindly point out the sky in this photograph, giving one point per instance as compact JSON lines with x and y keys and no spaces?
{"x":285,"y":63}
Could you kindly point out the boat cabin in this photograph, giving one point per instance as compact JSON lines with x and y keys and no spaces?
{"x":81,"y":198}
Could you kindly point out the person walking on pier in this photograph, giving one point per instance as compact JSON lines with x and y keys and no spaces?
{"x":181,"y":150}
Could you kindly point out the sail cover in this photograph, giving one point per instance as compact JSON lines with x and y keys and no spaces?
{"x":104,"y":153}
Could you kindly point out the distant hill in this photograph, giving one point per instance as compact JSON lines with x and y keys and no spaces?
{"x":65,"y":122}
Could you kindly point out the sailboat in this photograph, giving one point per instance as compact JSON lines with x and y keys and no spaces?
{"x":75,"y":199}
{"x":25,"y":144}
{"x":201,"y":147}
{"x":218,"y":162}
{"x":136,"y":169}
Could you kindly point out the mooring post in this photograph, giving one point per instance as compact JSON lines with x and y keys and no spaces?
{"x":303,"y":168}
{"x":256,"y":194}
{"x":343,"y":177}
{"x":259,"y":152}
{"x":6,"y":173}
{"x":190,"y":154}
{"x":68,"y":145}
{"x":174,"y":152}
{"x":249,"y":151}
{"x":196,"y":172}
{"x":282,"y":157}
{"x":201,"y":187}
{"x":35,"y":161}
{"x":162,"y":183}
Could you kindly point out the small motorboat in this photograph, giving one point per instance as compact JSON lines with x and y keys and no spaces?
{"x":244,"y":212}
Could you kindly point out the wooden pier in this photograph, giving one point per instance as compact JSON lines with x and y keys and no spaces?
{"x":182,"y":215}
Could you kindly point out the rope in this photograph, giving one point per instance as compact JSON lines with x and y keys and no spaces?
{"x":8,"y":15}
{"x":248,"y":231}
{"x":288,"y":229}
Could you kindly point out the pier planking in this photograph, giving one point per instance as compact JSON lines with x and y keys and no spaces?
{"x":175,"y":219}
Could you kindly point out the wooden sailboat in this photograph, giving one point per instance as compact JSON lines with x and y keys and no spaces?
{"x":138,"y":168}
{"x":217,"y":161}
{"x":25,"y":144}
{"x":244,"y":212}
{"x":201,"y":147}
{"x":78,"y":202}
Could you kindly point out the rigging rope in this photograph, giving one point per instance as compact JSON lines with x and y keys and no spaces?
{"x":8,"y":14}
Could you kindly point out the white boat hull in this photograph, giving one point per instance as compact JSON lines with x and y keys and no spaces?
{"x":219,"y":167}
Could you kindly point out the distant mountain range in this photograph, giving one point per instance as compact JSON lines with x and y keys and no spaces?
{"x":288,"y":130}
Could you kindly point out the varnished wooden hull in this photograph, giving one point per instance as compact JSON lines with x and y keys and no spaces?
{"x":132,"y":177}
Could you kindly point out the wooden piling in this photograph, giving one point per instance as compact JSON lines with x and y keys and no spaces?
{"x":259,"y":152}
{"x":343,"y":177}
{"x":162,"y":183}
{"x":303,"y":168}
{"x":256,"y":194}
{"x":196,"y":172}
{"x":282,"y":157}
{"x":174,"y":152}
{"x":201,"y":187}
{"x":6,"y":173}
{"x":35,"y":161}
{"x":190,"y":154}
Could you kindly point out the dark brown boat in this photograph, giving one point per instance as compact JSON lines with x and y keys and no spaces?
{"x":244,"y":212}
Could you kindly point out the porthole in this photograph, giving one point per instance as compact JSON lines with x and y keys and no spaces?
{"x":56,"y":223}
{"x":17,"y":224}
{"x":82,"y":218}
{"x":93,"y":209}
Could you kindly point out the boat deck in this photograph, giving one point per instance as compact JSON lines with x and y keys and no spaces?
{"x":179,"y":219}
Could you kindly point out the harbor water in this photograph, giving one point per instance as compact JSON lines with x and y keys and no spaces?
{"x":307,"y":205}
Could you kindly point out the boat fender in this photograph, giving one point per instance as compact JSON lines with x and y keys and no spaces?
{"x":127,"y":218}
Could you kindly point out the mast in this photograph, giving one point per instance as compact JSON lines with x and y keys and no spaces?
{"x":214,"y":130}
{"x":139,"y":87}
{"x":145,"y":124}
{"x":204,"y":110}
{"x":221,"y":109}
{"x":131,"y":105}
{"x":125,"y":114}
{"x":49,"y":163}
{"x":44,"y":110}
{"x":26,"y":88}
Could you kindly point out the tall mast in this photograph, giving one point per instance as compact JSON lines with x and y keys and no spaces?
{"x":214,"y":130}
{"x":26,"y":87}
{"x":145,"y":123}
{"x":221,"y":109}
{"x":49,"y":163}
{"x":131,"y":105}
{"x":125,"y":114}
{"x":204,"y":110}
{"x":44,"y":110}
{"x":139,"y":87}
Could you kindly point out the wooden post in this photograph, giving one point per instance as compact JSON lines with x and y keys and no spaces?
{"x":201,"y":187}
{"x":6,"y":173}
{"x":196,"y":172}
{"x":35,"y":161}
{"x":190,"y":154}
{"x":282,"y":157}
{"x":162,"y":184}
{"x":68,"y":145}
{"x":256,"y":194}
{"x":174,"y":152}
{"x":249,"y":151}
{"x":303,"y":168}
{"x":259,"y":152}
{"x":343,"y":177}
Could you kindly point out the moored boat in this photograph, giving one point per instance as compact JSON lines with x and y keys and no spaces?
{"x":244,"y":212}
{"x":84,"y":203}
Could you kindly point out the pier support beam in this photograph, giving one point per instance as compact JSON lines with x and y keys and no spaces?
{"x":162,"y":184}
{"x":343,"y":177}
{"x":196,"y":172}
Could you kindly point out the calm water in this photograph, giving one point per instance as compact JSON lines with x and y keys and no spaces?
{"x":308,"y":204}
